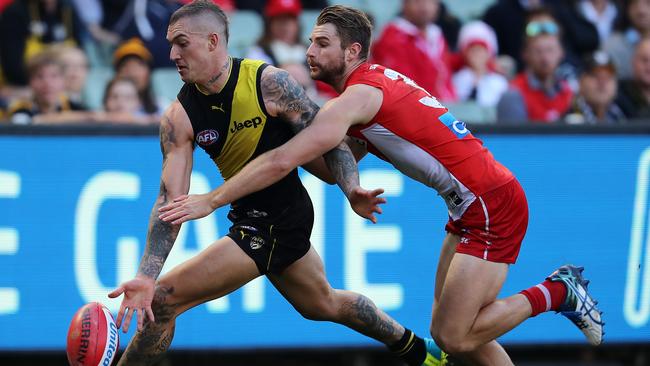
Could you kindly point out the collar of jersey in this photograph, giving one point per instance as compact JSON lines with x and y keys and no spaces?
{"x":230,"y":61}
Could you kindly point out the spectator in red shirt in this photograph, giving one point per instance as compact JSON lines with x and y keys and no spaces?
{"x":538,"y":94}
{"x":413,"y":45}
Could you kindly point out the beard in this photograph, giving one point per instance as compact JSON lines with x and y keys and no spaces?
{"x":330,"y":73}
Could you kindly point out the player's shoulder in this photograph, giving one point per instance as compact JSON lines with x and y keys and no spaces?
{"x":361,"y":91}
{"x":177,"y":118}
{"x":278,"y":83}
{"x":272,"y":76}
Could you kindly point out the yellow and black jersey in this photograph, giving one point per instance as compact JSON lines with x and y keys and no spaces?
{"x":23,"y":111}
{"x":233,"y":127}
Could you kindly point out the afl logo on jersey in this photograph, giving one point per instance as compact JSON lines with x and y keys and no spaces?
{"x":207,"y":137}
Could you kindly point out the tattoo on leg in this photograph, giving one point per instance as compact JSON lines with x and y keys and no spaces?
{"x":148,"y":346}
{"x":370,"y":320}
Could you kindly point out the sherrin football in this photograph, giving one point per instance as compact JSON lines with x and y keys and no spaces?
{"x":92,"y":338}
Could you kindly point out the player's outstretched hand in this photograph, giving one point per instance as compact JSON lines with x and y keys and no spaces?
{"x":138,"y":294}
{"x":366,"y":203}
{"x":185,"y":208}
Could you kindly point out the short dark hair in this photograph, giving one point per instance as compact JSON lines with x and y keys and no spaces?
{"x":352,"y":25}
{"x":201,"y":7}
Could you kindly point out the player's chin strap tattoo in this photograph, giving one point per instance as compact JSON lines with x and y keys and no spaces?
{"x":296,"y":107}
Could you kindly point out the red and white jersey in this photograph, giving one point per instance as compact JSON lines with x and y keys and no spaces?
{"x":423,"y":140}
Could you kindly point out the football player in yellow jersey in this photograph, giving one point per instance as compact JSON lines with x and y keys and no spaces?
{"x":235,"y":110}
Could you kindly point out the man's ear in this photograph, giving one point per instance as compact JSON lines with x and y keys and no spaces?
{"x":353,"y":51}
{"x":213,"y":41}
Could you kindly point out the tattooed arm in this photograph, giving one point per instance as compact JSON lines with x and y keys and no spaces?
{"x":286,"y":98}
{"x":176,"y":144}
{"x":358,"y":104}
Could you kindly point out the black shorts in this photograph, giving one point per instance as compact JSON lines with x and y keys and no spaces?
{"x":273,"y":240}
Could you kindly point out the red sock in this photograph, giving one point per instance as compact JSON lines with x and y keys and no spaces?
{"x":546,"y":296}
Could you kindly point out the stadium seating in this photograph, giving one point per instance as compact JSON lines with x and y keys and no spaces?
{"x":307,"y":22}
{"x":383,"y":13}
{"x":359,"y":4}
{"x":96,"y":81}
{"x":246,"y":27}
{"x":472,"y":113}
{"x":468,"y":10}
{"x":166,"y":83}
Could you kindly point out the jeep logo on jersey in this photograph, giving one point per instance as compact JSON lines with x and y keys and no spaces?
{"x":457,"y":127}
{"x":207,"y":137}
{"x":238,"y":126}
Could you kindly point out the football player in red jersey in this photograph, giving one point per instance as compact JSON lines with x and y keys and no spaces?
{"x":387,"y":114}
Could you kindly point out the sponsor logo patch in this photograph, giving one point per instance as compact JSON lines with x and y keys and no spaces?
{"x":207,"y":137}
{"x":238,"y":126}
{"x":218,"y":108}
{"x":255,"y":213}
{"x":256,"y":242}
{"x":457,"y":127}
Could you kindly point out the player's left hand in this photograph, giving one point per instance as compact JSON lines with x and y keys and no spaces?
{"x":185,"y":208}
{"x":365,"y":203}
{"x":138,"y":295}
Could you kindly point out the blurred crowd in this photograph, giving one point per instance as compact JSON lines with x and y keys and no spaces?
{"x":515,"y":62}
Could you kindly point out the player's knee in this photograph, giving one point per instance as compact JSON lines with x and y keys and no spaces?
{"x":320,"y":309}
{"x":451,"y":343}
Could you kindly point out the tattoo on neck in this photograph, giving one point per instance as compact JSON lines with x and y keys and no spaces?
{"x":220,"y":73}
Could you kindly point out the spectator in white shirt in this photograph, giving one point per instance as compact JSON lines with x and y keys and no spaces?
{"x":477,"y":80}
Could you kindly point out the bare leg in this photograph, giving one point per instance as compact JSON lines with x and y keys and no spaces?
{"x":305,"y":286}
{"x":215,"y":272}
{"x":467,"y":317}
{"x":490,"y":353}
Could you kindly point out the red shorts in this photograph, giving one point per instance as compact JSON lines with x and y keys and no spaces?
{"x":494,"y":225}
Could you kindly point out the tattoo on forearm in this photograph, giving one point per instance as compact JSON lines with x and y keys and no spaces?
{"x":289,"y":97}
{"x":161,"y":235}
{"x":343,"y":166}
{"x":160,"y":240}
{"x":373,"y":322}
